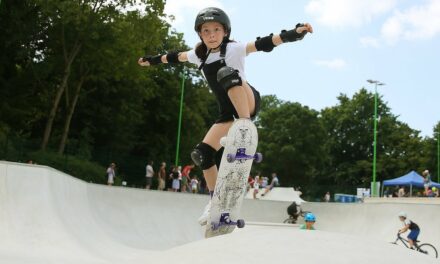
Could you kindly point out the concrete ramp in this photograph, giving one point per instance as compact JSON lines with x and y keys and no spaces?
{"x":50,"y":217}
{"x":377,"y":220}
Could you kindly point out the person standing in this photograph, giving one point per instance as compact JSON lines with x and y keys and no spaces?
{"x":149,"y":172}
{"x":185,"y":177}
{"x":162,"y":175}
{"x":111,"y":174}
{"x":426,"y":181}
{"x":327,"y":197}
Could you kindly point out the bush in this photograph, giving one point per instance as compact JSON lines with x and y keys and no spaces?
{"x":77,"y":167}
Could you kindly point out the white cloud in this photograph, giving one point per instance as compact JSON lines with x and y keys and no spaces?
{"x":347,"y":13}
{"x":334,"y":64}
{"x":370,"y":42}
{"x":178,"y":8}
{"x":417,"y":22}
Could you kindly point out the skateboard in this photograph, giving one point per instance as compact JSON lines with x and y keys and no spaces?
{"x":240,"y":151}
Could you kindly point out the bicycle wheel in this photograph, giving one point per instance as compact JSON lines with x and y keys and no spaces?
{"x":428,"y":249}
{"x":288,"y":221}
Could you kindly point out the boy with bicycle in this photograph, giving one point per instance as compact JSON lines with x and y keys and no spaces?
{"x":409,"y":225}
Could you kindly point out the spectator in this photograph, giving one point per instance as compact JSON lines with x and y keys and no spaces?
{"x":176,"y":182}
{"x":327,"y":197}
{"x":264,"y":182}
{"x":203,"y":187}
{"x":186,"y":177}
{"x":274,"y":183}
{"x":435,"y":191}
{"x":401,"y":192}
{"x":162,"y":176}
{"x":250,"y":183}
{"x":169,"y":180}
{"x":111,"y":174}
{"x":194,"y":184}
{"x":149,"y":172}
{"x":256,"y":186}
{"x":426,"y":181}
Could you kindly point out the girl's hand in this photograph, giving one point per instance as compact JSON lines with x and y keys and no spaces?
{"x":306,"y":27}
{"x":141,"y":62}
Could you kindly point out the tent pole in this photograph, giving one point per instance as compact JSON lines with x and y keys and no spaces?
{"x":410,"y":190}
{"x":381,"y":191}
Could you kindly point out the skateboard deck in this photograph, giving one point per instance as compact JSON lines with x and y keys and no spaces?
{"x":240,"y":151}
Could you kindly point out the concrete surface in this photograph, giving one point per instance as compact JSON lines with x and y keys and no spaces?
{"x":49,"y":217}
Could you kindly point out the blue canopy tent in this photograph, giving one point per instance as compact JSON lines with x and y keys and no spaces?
{"x":411,"y":179}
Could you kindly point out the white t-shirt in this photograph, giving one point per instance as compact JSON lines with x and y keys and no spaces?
{"x":149,"y":171}
{"x":234,"y":57}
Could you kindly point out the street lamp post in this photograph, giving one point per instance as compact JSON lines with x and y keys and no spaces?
{"x":438,"y":154}
{"x":376,"y":83}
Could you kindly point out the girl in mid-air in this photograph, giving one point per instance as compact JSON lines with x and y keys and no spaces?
{"x":222,"y":63}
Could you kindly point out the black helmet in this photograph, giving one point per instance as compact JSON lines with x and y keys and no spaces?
{"x":212,"y":14}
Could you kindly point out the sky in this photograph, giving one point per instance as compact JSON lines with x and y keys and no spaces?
{"x":396,"y":42}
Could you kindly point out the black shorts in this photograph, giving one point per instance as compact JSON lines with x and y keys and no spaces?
{"x":231,"y":114}
{"x":148,"y":180}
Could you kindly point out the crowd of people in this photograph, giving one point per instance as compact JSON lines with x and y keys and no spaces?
{"x":428,"y":189}
{"x":178,"y":179}
{"x":173,"y":179}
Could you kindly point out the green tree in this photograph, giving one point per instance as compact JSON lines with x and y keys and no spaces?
{"x":291,"y":139}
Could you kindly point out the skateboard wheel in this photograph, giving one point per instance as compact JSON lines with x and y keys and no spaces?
{"x":240,"y":223}
{"x":258,"y":157}
{"x":224,"y":141}
{"x":230,"y":158}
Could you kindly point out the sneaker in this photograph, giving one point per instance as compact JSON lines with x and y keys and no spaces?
{"x":203,"y":219}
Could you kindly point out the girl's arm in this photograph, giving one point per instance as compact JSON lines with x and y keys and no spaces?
{"x":172,"y":57}
{"x":269,"y":42}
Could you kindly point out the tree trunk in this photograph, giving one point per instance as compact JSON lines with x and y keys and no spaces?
{"x":60,"y":91}
{"x":69,"y":115}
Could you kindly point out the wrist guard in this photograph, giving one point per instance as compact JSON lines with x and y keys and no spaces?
{"x":292,"y":35}
{"x":153,"y":60}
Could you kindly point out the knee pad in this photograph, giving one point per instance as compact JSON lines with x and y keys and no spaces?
{"x":218,"y":157}
{"x":203,"y":156}
{"x":228,"y":77}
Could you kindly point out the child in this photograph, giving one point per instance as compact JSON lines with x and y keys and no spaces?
{"x":194,"y":184}
{"x":310,"y":220}
{"x":256,"y":186}
{"x":222,"y":63}
{"x":408,"y":224}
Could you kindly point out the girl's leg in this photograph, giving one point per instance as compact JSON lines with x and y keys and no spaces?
{"x":243,"y":100}
{"x":212,"y":138}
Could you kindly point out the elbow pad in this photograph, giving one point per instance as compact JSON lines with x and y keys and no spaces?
{"x":292,"y":35}
{"x":265,"y":43}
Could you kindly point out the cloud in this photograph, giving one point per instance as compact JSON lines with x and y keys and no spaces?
{"x":370,"y":42}
{"x":347,"y":13}
{"x":334,"y":64}
{"x":416,"y":23}
{"x":181,"y":8}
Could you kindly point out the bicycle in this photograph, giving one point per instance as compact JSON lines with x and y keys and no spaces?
{"x":292,"y":219}
{"x":424,"y":248}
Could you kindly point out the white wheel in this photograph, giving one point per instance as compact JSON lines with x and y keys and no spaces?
{"x":224,"y":141}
